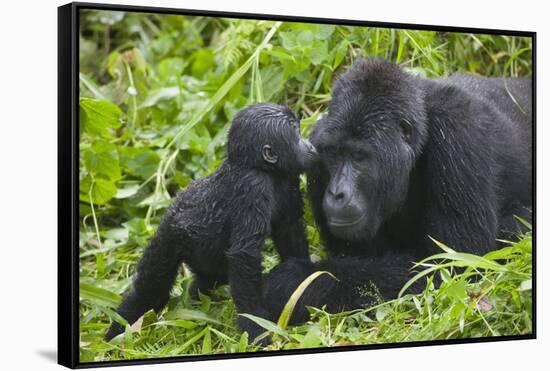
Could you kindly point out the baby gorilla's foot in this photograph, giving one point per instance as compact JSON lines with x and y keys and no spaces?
{"x":254,"y":330}
{"x":202,"y":285}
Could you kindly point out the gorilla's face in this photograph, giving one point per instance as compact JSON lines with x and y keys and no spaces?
{"x":368,"y":144}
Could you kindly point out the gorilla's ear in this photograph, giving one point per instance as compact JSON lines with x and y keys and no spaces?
{"x":269,"y":155}
{"x":407,"y":129}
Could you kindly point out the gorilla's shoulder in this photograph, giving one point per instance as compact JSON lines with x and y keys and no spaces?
{"x":443,"y":98}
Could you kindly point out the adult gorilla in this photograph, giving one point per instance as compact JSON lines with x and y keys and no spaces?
{"x":404,"y":158}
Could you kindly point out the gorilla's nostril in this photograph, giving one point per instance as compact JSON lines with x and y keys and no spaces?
{"x":340,"y":196}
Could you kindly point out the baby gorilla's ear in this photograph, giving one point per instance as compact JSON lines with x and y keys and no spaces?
{"x":269,"y":155}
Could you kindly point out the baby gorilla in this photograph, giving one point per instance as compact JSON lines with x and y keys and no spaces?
{"x":218,"y":225}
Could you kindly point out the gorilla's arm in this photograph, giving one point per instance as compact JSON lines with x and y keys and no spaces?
{"x":362,"y":282}
{"x":155,"y":275}
{"x":288,"y":230}
{"x":244,"y":271}
{"x":460,"y":172}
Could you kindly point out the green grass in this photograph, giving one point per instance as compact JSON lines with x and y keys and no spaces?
{"x":157,"y":95}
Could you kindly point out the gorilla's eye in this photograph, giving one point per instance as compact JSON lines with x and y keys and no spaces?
{"x":406,"y":128}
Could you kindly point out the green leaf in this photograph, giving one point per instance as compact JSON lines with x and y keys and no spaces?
{"x":88,"y":83}
{"x":288,"y":40}
{"x":291,"y":303}
{"x":312,"y":339}
{"x":117,"y":234}
{"x":193,"y":315}
{"x":305,"y":38}
{"x":324,"y":31}
{"x":171,"y":68}
{"x":341,"y":53}
{"x":202,"y":63}
{"x":127,"y":191}
{"x":178,"y":323}
{"x":191,"y":341}
{"x":319,"y":54}
{"x":158,"y":199}
{"x":207,"y":342}
{"x":526,"y":285}
{"x":101,"y":160}
{"x":243,"y":342}
{"x":162,"y":44}
{"x":99,"y":116}
{"x":99,"y":295}
{"x":149,"y":318}
{"x":102,"y":190}
{"x":442,"y":246}
{"x":143,"y":163}
{"x":381,"y":313}
{"x":157,"y":95}
{"x":457,"y":290}
{"x":266,"y":324}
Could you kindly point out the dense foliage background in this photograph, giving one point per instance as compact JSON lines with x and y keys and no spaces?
{"x":157,"y":95}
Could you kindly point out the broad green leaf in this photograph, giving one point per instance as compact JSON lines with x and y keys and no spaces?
{"x":160,"y":94}
{"x":99,"y":116}
{"x":457,"y":290}
{"x":288,"y":40}
{"x":202,"y":63}
{"x":319,"y":54}
{"x":305,"y":39}
{"x":101,"y":160}
{"x":312,"y":339}
{"x":127,"y":191}
{"x":117,"y":234}
{"x":142,"y":162}
{"x":324,"y":31}
{"x":170,"y":69}
{"x":102,"y":190}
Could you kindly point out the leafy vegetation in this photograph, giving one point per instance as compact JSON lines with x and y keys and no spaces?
{"x":157,"y":95}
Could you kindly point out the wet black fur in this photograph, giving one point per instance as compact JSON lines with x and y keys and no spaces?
{"x":218,"y":224}
{"x":460,"y":174}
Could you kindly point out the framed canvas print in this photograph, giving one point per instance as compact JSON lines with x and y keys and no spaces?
{"x":235,"y":185}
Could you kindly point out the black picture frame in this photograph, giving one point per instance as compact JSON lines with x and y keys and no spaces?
{"x":68,"y":181}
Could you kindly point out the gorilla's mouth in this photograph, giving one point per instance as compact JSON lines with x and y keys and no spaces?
{"x":341,"y":223}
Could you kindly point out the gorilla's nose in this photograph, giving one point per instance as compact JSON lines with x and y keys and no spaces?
{"x":337,"y":197}
{"x":338,"y":193}
{"x":338,"y":204}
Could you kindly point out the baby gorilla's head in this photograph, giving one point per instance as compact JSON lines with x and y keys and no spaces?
{"x":267,"y":136}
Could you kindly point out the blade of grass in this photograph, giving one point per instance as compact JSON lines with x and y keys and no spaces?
{"x":296,"y":295}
